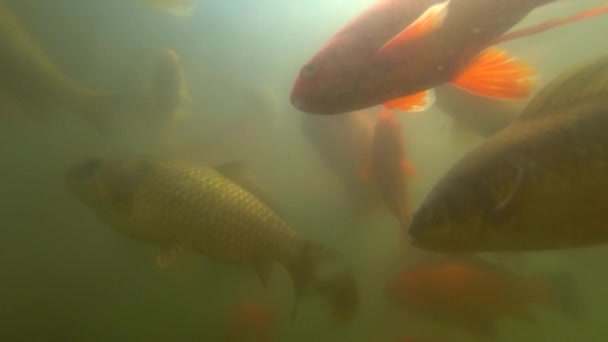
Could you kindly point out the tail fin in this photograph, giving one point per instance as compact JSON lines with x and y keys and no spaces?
{"x":559,"y":291}
{"x":312,"y":269}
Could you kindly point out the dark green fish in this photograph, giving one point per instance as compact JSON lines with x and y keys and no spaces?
{"x":539,"y":184}
{"x":29,"y":77}
{"x":213,"y":211}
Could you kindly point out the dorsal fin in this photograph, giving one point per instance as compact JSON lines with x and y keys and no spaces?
{"x":238,"y":172}
{"x":585,"y":83}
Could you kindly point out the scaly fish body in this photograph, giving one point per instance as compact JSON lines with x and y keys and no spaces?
{"x":30,"y":77}
{"x":539,"y":184}
{"x":178,"y":204}
{"x":207,"y":210}
{"x":347,"y":75}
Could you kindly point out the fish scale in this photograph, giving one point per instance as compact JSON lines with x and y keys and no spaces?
{"x":217,"y":212}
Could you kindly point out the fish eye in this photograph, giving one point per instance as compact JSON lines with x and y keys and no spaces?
{"x":309,"y":69}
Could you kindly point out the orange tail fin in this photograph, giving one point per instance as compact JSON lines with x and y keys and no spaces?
{"x":497,"y":74}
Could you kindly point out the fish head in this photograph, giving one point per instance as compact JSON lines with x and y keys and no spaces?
{"x":325,"y":85}
{"x":104,"y":186}
{"x":453,"y":218}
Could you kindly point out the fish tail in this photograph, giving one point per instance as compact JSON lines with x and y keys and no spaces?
{"x":559,"y":291}
{"x":319,"y":270}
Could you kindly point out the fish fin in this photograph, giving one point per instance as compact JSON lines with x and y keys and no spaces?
{"x":495,"y":73}
{"x":263,"y":269}
{"x":429,"y":21}
{"x":167,"y":255}
{"x":507,"y":209}
{"x":583,"y":83}
{"x":178,"y":8}
{"x":417,"y":102}
{"x":408,"y":168}
{"x":559,"y":291}
{"x":304,"y":267}
{"x":547,"y":25}
{"x":238,"y":173}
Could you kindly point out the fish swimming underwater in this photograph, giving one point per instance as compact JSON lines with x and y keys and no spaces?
{"x":388,"y":168}
{"x":212,"y":211}
{"x":397,"y":51}
{"x":28,"y":77}
{"x":475,"y":295}
{"x":539,"y":184}
{"x":344,"y":142}
{"x":170,"y":89}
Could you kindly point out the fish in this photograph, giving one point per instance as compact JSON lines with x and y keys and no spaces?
{"x":178,"y":8}
{"x":344,"y":144}
{"x":251,"y":319}
{"x":388,"y":168}
{"x":170,"y":91}
{"x":536,"y":185}
{"x":218,"y":212}
{"x":31,"y":79}
{"x":396,"y":51}
{"x":474,"y":295}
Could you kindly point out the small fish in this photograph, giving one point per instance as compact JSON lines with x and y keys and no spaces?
{"x":475,"y":295}
{"x":31,"y":79}
{"x":389,"y":169}
{"x":251,"y":319}
{"x":170,"y":91}
{"x":178,"y":8}
{"x":397,"y":51}
{"x":217,"y":212}
{"x":538,"y":184}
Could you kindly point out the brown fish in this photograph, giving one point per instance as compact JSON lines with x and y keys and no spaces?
{"x":212,"y":211}
{"x":539,"y":184}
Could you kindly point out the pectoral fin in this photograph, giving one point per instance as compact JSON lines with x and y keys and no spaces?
{"x":417,"y":102}
{"x":509,"y":207}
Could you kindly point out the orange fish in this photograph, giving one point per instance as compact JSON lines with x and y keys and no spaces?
{"x":397,"y":51}
{"x":389,"y":169}
{"x":249,"y":320}
{"x":474,"y":294}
